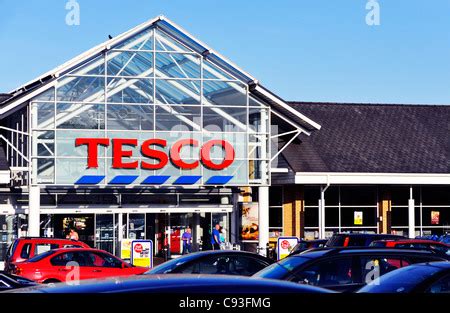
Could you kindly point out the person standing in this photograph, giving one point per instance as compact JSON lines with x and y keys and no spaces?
{"x":187,"y":241}
{"x":73,"y":235}
{"x":215,"y":237}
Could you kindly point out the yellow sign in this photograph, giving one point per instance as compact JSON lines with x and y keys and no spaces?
{"x":142,"y":253}
{"x":358,"y":220}
{"x":125,"y":249}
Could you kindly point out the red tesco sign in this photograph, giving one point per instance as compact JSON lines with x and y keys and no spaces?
{"x":119,"y":153}
{"x":138,"y":248}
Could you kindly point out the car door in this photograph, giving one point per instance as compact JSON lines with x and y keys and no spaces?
{"x":337,"y":273}
{"x":104,"y":265}
{"x":68,"y":266}
{"x":372,"y":267}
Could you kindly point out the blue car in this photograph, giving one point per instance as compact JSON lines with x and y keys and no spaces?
{"x":185,"y":284}
{"x":226,"y":262}
{"x":431,"y":277}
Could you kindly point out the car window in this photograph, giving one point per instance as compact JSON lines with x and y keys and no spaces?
{"x":413,"y":245}
{"x":358,"y":241}
{"x":64,"y":258}
{"x":325,"y":273}
{"x":441,"y":286}
{"x":41,"y":256}
{"x":374,"y":267}
{"x":102,"y":260}
{"x":44,"y":247}
{"x":26,"y":250}
{"x":71,"y":246}
{"x":245,"y":266}
{"x":440,"y":248}
{"x":210,"y":265}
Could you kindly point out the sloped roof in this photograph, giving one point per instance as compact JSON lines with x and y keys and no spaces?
{"x":4,"y":97}
{"x":29,"y":89}
{"x":373,"y":138}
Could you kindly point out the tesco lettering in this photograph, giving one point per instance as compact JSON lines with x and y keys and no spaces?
{"x":120,"y":153}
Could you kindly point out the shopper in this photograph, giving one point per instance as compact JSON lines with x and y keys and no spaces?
{"x":215,"y":237}
{"x":73,"y":235}
{"x":187,"y":241}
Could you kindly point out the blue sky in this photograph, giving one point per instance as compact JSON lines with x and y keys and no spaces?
{"x":305,"y":50}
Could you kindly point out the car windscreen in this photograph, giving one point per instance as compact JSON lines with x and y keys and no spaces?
{"x":400,"y":281}
{"x":41,"y":256}
{"x":300,"y":246}
{"x":282,"y":268}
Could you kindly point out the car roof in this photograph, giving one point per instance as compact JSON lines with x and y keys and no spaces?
{"x":211,"y":283}
{"x":218,"y":252}
{"x":367,"y":235}
{"x":412,"y":241}
{"x":48,"y":239}
{"x":79,"y":249}
{"x":318,"y":252}
{"x":439,"y":264}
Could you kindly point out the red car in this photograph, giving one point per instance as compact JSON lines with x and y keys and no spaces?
{"x":25,"y":248}
{"x":65,"y":265}
{"x":438,"y":247}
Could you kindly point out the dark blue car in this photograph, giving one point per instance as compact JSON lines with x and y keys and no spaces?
{"x":226,"y":262}
{"x":431,"y":277}
{"x":186,"y":284}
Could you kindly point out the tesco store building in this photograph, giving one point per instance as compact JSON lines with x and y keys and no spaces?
{"x":140,"y":137}
{"x":152,"y":132}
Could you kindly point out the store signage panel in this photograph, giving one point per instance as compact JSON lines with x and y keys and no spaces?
{"x":159,"y":161}
{"x":285,"y":246}
{"x":142,"y":253}
{"x":250,"y":222}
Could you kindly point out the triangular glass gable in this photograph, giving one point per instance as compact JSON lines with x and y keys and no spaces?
{"x":93,"y":67}
{"x":166,"y":43}
{"x":211,"y":71}
{"x":141,"y":41}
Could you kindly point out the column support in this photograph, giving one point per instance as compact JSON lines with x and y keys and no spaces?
{"x":263,"y":194}
{"x":322,"y":212}
{"x":34,"y":204}
{"x":411,"y":215}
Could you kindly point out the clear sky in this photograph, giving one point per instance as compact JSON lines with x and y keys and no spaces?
{"x":305,"y":50}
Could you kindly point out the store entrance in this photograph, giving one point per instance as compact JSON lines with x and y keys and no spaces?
{"x":170,"y":227}
{"x":96,"y":230}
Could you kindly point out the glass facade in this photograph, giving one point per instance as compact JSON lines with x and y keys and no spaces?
{"x":347,"y":209}
{"x":149,"y":86}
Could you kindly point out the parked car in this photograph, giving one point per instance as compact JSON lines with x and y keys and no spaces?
{"x":9,"y":282}
{"x":25,"y":248}
{"x":418,"y":278}
{"x":343,"y":269}
{"x":228,"y":262}
{"x":60,"y":265}
{"x":186,"y":284}
{"x":357,"y":239}
{"x":304,"y":245}
{"x":416,"y":244}
{"x":445,"y":239}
